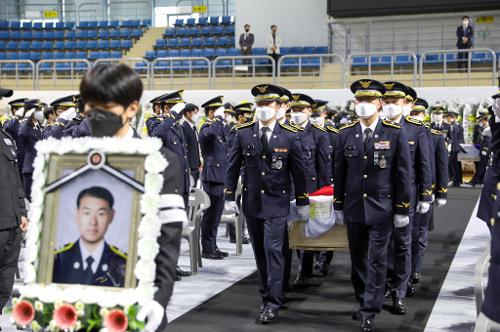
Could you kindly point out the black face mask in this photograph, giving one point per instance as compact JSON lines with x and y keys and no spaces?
{"x":103,"y":123}
{"x":247,"y":30}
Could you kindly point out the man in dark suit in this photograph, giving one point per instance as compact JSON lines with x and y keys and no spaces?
{"x":271,"y":153}
{"x":189,"y":120}
{"x":246,"y":42}
{"x":90,"y":260}
{"x":372,"y":194}
{"x":13,"y":219}
{"x":465,"y":39}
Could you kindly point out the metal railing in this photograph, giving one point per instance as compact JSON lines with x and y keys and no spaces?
{"x":310,"y":67}
{"x":172,"y":71}
{"x":243,"y":66}
{"x":11,"y":70}
{"x":445,"y":63}
{"x":63,"y":73}
{"x":383,"y":64}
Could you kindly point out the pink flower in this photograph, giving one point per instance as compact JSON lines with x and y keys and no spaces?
{"x":116,"y":321}
{"x":23,"y":313}
{"x":65,"y":316}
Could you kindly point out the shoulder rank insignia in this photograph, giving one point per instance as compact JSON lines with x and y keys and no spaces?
{"x":390,"y":124}
{"x":414,"y":121}
{"x":296,"y":126}
{"x":332,"y":129}
{"x":436,"y":132}
{"x":287,"y":127}
{"x":349,"y":125}
{"x":244,"y":125}
{"x":318,"y":127}
{"x":115,"y":250}
{"x":65,"y":248}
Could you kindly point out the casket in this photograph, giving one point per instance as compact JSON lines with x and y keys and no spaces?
{"x":335,"y":239}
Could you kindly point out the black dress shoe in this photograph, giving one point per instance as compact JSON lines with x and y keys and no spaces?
{"x":211,"y":255}
{"x":262,"y":308}
{"x":410,"y":290}
{"x":245,"y":240}
{"x":357,"y":316}
{"x":324,"y":269}
{"x":301,"y":282}
{"x":398,"y":308}
{"x":222,"y":253}
{"x":182,"y":273}
{"x":178,"y":277}
{"x":387,"y":295}
{"x":416,"y":278}
{"x":268,"y":316}
{"x":367,"y":325}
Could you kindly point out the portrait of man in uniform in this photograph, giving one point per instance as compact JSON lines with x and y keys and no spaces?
{"x":90,"y":259}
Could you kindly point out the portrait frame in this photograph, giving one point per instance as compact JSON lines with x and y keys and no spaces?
{"x":114,"y":156}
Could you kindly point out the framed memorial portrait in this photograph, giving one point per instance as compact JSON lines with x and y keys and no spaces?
{"x":94,"y":218}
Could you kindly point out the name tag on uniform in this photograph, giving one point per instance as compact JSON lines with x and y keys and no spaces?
{"x":283,"y":150}
{"x":382,"y":145}
{"x":249,"y":146}
{"x":411,"y":142}
{"x":7,"y":141}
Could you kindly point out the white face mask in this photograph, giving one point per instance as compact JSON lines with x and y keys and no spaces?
{"x":20,"y":112}
{"x":228,"y":117}
{"x":195,"y":117}
{"x":281,"y":113}
{"x":318,"y":121}
{"x":465,"y":22}
{"x":39,"y":116}
{"x":437,"y":117}
{"x":299,"y":117}
{"x":406,"y":110}
{"x":4,"y":107}
{"x":265,"y":113}
{"x":392,"y":110}
{"x":365,"y":110}
{"x":344,"y":121}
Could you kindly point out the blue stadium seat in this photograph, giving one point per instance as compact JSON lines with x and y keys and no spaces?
{"x":360,"y":61}
{"x":296,"y":50}
{"x":81,"y":44}
{"x":114,"y":24}
{"x":162,"y":54}
{"x":181,"y":32}
{"x":11,"y":45}
{"x":103,"y":44}
{"x":59,"y":34}
{"x":403,"y":60}
{"x":285,"y":50}
{"x":47,"y":66}
{"x":4,"y":25}
{"x":150,"y":55}
{"x":220,"y":52}
{"x":197,"y":52}
{"x":452,"y":57}
{"x":124,"y":33}
{"x":4,"y":34}
{"x":38,"y":26}
{"x":103,"y":34}
{"x":92,"y":44}
{"x":114,"y":44}
{"x":205,"y":31}
{"x":184,"y":53}
{"x":173,"y":53}
{"x":15,"y":34}
{"x":15,"y":25}
{"x":210,"y":41}
{"x":218,"y":30}
{"x":104,"y":55}
{"x":259,"y":51}
{"x":81,"y":34}
{"x":70,"y":55}
{"x":93,"y":56}
{"x":115,"y":54}
{"x":35,"y":45}
{"x":170,"y":33}
{"x":127,"y":43}
{"x":81,"y":55}
{"x":199,"y":64}
{"x":184,"y":42}
{"x":311,"y":62}
{"x":48,"y":35}
{"x":47,"y":45}
{"x":93,"y":24}
{"x":208,"y":52}
{"x":59,"y":45}
{"x":190,"y":22}
{"x":59,"y":55}
{"x":24,"y":45}
{"x":3,"y":56}
{"x":92,"y":34}
{"x":27,"y":25}
{"x":160,"y":43}
{"x":214,"y":20}
{"x":136,"y":33}
{"x":233,"y":51}
{"x":226,"y":20}
{"x":83,"y":25}
{"x":290,"y":63}
{"x":26,"y":35}
{"x":229,"y":29}
{"x":433,"y":58}
{"x":321,"y":50}
{"x":103,"y":24}
{"x":48,"y":55}
{"x":48,"y":25}
{"x":135,"y":23}
{"x":60,"y":26}
{"x":225,"y":63}
{"x":10,"y":66}
{"x":146,"y":23}
{"x":37,"y":35}
{"x":309,"y":49}
{"x":35,"y":55}
{"x":114,"y":33}
{"x":197,"y":42}
{"x":69,"y":25}
{"x":222,"y":41}
{"x":71,"y":34}
{"x":172,"y":42}
{"x":203,"y":20}
{"x":193,"y":31}
{"x":24,"y":55}
{"x":179,"y":22}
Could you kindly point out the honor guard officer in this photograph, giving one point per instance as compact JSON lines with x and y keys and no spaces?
{"x":13,"y":212}
{"x":271,"y":153}
{"x":284,"y":107}
{"x":190,"y":117}
{"x":437,"y":121}
{"x":64,"y":111}
{"x":318,"y":112}
{"x":439,"y":165}
{"x":482,"y":142}
{"x":30,"y":132}
{"x":153,"y":120}
{"x":78,"y":126}
{"x":244,"y":112}
{"x":171,"y":104}
{"x":456,"y":138}
{"x":315,"y":145}
{"x":372,"y":194}
{"x":399,"y":264}
{"x":214,"y":152}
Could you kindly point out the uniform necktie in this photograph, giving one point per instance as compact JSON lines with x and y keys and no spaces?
{"x":367,"y":135}
{"x":89,"y":274}
{"x":263,"y":138}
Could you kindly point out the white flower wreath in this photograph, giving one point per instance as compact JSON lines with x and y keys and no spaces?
{"x":148,"y":230}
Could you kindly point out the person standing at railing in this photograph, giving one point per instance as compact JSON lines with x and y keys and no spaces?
{"x":273,"y":46}
{"x":246,"y":42}
{"x":465,"y":36}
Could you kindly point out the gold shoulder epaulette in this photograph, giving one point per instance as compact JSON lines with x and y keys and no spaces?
{"x":427,"y":125}
{"x":390,"y":124}
{"x":414,"y":121}
{"x":436,"y":132}
{"x":65,"y":248}
{"x":318,"y":127}
{"x":118,"y":252}
{"x":349,"y":125}
{"x":332,"y":129}
{"x":245,"y":125}
{"x":287,"y":127}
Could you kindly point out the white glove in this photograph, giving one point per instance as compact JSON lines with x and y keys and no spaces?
{"x":231,"y":207}
{"x":220,"y":112}
{"x":29,"y":113}
{"x":401,"y":221}
{"x":339,"y":218}
{"x":433,"y":198}
{"x":154,"y":313}
{"x":440,"y":202}
{"x":423,"y":207}
{"x":69,"y":114}
{"x":303,"y":212}
{"x":449,"y":148}
{"x":496,"y":107}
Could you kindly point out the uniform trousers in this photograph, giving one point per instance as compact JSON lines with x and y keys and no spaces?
{"x":212,"y":216}
{"x":27,"y":182}
{"x":420,"y":238}
{"x":267,"y":239}
{"x":368,"y":249}
{"x":10,"y":246}
{"x":455,"y":169}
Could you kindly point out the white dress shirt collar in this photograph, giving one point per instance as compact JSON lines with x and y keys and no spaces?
{"x":372,"y":126}
{"x":96,"y":255}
